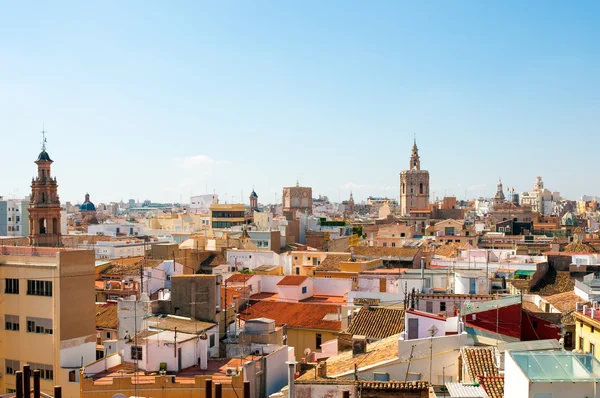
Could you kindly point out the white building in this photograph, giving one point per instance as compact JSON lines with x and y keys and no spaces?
{"x":121,"y":248}
{"x":550,"y":374}
{"x":201,"y":203}
{"x":14,"y":217}
{"x":540,"y":199}
{"x":471,"y":282}
{"x":127,"y":229}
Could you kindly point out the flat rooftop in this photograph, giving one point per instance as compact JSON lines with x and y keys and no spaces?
{"x":216,"y":370}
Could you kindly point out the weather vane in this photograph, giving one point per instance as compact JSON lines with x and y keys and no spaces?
{"x":43,"y":139}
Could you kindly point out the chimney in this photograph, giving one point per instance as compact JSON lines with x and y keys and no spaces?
{"x":593,"y":313}
{"x":359,"y":345}
{"x":246,"y":389}
{"x":36,"y":383}
{"x":585,"y":308}
{"x":577,"y":306}
{"x":218,"y":390}
{"x":422,"y":268}
{"x":322,"y":369}
{"x":208,"y":388}
{"x":26,"y":380}
{"x":291,"y":378}
{"x":57,"y":392}
{"x":203,"y":346}
{"x":19,"y":377}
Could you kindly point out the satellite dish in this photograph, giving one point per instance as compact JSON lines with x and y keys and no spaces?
{"x":307,"y":352}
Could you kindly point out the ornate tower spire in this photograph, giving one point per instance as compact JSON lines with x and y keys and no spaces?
{"x":415,"y":161}
{"x":44,"y":204}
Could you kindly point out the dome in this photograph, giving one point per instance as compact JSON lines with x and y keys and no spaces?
{"x":43,"y":157}
{"x":253,"y":194}
{"x":87,"y":205}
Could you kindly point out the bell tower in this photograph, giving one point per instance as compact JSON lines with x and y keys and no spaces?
{"x":414,"y":185}
{"x":44,"y":204}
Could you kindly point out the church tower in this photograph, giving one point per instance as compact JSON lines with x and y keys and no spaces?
{"x":414,"y":185}
{"x":253,"y":202}
{"x":44,"y":205}
{"x":499,"y":197}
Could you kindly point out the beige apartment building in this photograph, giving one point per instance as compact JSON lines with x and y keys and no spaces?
{"x":223,"y":215}
{"x":47,"y":306}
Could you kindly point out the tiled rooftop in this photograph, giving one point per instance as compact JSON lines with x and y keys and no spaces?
{"x":296,"y":315}
{"x":131,"y":269}
{"x":106,"y":316}
{"x":239,"y":278}
{"x":493,"y":385}
{"x":292,"y":280}
{"x":377,"y":323}
{"x":398,"y":252}
{"x":479,"y":361}
{"x":380,"y":351}
{"x":332,"y":262}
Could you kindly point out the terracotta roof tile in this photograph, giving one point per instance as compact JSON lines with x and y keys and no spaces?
{"x":380,"y":351}
{"x":292,"y":280}
{"x":480,"y":361}
{"x":296,"y":315}
{"x":377,"y":323}
{"x":132,"y":269}
{"x":106,"y":316}
{"x":493,"y":385}
{"x":373,"y":251}
{"x":332,"y":262}
{"x":239,"y":278}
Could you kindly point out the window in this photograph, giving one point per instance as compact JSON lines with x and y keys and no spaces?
{"x":39,"y":288}
{"x":429,"y":307}
{"x":39,"y":325}
{"x":591,"y":349}
{"x":46,"y":371}
{"x":11,"y":322}
{"x":11,"y":366}
{"x":136,"y":352}
{"x":442,"y":306}
{"x":393,"y":244}
{"x":108,"y":335}
{"x":72,"y":376}
{"x":304,"y":289}
{"x":449,"y":231}
{"x":212,"y":340}
{"x":581,"y":343}
{"x":318,"y":340}
{"x":384,"y":244}
{"x":11,"y":286}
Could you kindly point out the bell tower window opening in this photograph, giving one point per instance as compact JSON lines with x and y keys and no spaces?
{"x":42,"y":226}
{"x":421,"y":188}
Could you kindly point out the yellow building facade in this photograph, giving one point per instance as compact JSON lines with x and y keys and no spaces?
{"x":47,"y":305}
{"x":223,"y":215}
{"x":587,"y":334}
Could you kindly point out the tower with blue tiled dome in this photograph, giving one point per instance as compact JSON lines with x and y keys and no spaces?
{"x":88,"y":211}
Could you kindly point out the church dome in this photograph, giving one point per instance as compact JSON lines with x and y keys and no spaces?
{"x":87,"y":205}
{"x":43,"y":157}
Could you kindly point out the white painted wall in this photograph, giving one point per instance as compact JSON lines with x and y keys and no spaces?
{"x":424,"y":324}
{"x":518,"y":387}
{"x":277,"y":370}
{"x":269,"y":283}
{"x":331,"y":286}
{"x":294,"y":293}
{"x":251,"y":259}
{"x":102,"y":364}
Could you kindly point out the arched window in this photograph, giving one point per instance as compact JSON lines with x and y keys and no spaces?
{"x":54,"y":226}
{"x":43,"y":197}
{"x":421,"y":188}
{"x":42,"y":226}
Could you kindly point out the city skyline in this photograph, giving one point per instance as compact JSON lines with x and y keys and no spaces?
{"x":173,"y":101}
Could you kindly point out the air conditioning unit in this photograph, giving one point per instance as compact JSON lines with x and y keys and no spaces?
{"x":257,"y":352}
{"x":231,"y":371}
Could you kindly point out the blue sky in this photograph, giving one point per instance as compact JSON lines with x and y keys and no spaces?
{"x":160,"y":100}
